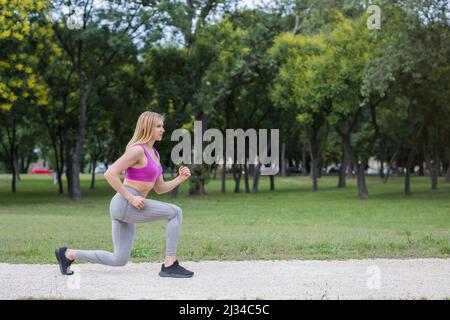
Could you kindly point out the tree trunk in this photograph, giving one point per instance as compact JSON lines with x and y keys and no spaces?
{"x":60,"y":183}
{"x":421,"y":171}
{"x":74,"y":174}
{"x":447,"y":175}
{"x":174,"y":192}
{"x":314,"y":174}
{"x":345,"y":163}
{"x":223,"y":178}
{"x":409,"y":164}
{"x":75,"y":159}
{"x":237,"y":174}
{"x":22,"y":164}
{"x":82,"y":164}
{"x":13,"y":155}
{"x":363,"y":193}
{"x":342,"y":182}
{"x":432,"y":168}
{"x":17,"y":167}
{"x":407,"y":189}
{"x":434,"y":175}
{"x":362,"y":187}
{"x":283,"y":159}
{"x":62,"y":161}
{"x":256,"y":174}
{"x":251,"y":169}
{"x":314,"y":154}
{"x":57,"y":137}
{"x":382,"y":152}
{"x":198,"y":186}
{"x":388,"y":174}
{"x":59,"y":164}
{"x":320,"y":165}
{"x":314,"y":161}
{"x":214,"y":171}
{"x":93,"y":164}
{"x":13,"y":181}
{"x":26,"y":164}
{"x":381,"y":173}
{"x":68,"y":168}
{"x":247,"y":185}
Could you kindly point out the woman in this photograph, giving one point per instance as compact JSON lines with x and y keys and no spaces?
{"x":130,"y":206}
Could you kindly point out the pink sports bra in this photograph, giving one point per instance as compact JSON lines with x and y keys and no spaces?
{"x":149,"y":173}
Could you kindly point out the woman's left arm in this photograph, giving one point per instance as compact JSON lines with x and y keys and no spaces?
{"x":162,"y":186}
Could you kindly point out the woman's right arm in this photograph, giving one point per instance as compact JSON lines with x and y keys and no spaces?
{"x":130,"y":157}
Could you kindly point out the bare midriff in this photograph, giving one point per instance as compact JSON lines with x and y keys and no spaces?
{"x":142,"y":187}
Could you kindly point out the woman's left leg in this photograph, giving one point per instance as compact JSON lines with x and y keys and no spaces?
{"x":158,"y":210}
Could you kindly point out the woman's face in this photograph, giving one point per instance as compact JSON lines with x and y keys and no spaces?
{"x":158,"y":130}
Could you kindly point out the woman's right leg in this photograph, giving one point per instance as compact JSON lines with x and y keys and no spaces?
{"x":122,"y":236}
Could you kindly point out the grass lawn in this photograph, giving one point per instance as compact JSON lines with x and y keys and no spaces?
{"x":290,"y":223}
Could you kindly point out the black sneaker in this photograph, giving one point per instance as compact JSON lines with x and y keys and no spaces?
{"x":64,"y":263}
{"x":175,"y":271}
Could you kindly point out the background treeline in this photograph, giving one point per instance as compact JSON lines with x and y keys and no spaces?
{"x":75,"y":75}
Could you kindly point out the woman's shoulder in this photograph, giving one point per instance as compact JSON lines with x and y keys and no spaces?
{"x":135,"y":148}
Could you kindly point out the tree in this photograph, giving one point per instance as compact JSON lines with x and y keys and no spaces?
{"x":353,"y":46}
{"x":321,"y":76}
{"x":103,"y":40}
{"x":26,"y":40}
{"x":295,"y":88}
{"x":414,"y":65}
{"x":190,"y":19}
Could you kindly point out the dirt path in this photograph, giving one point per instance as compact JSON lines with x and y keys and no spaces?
{"x":293,"y":279}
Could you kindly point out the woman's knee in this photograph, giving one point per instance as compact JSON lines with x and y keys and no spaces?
{"x":120,"y":261}
{"x":177,"y":213}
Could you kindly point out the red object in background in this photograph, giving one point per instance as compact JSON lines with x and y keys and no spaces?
{"x":37,"y":170}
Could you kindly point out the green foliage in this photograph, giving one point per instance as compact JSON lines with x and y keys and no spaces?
{"x":26,"y":41}
{"x":310,"y":68}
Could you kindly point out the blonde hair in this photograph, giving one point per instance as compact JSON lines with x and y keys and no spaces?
{"x":144,"y":128}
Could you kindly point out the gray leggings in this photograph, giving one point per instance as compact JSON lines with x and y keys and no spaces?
{"x":124,"y":216}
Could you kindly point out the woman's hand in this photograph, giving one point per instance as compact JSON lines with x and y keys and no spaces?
{"x":137,"y":201}
{"x":184,"y":173}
